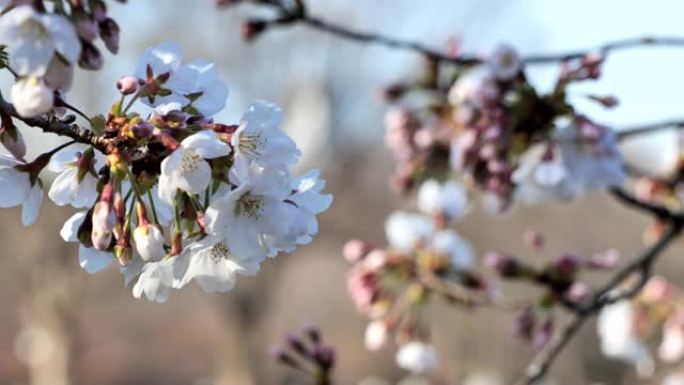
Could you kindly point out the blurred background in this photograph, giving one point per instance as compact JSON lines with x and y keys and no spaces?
{"x":60,"y":326}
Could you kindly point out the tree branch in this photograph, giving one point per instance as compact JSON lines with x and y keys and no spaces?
{"x":630,"y":132}
{"x":300,"y":15}
{"x":609,"y":293}
{"x":64,"y":128}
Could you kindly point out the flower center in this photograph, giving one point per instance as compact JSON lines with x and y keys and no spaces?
{"x":249,"y":205}
{"x":219,"y":252}
{"x":252,"y":144}
{"x":191,"y":162}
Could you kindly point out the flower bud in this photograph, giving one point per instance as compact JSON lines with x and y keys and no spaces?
{"x":567,"y":264}
{"x":86,"y":27}
{"x":251,"y":29}
{"x":104,"y":220}
{"x":109,"y":32}
{"x":523,"y":326}
{"x":91,"y":58}
{"x":534,"y":239}
{"x":123,"y":254}
{"x":355,"y":250}
{"x":31,"y":97}
{"x":127,"y":85}
{"x":11,"y":138}
{"x":282,"y":357}
{"x":149,"y":242}
{"x":505,"y":265}
{"x":376,"y":335}
{"x":324,"y":356}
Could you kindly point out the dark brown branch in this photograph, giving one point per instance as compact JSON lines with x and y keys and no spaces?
{"x":299,"y":15}
{"x":609,"y":293}
{"x":630,"y":132}
{"x":59,"y":127}
{"x":368,"y":37}
{"x":660,"y":212}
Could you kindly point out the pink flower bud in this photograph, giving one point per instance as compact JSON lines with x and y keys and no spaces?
{"x":127,"y":85}
{"x":534,"y":239}
{"x":104,"y":221}
{"x":505,"y":265}
{"x":355,"y":250}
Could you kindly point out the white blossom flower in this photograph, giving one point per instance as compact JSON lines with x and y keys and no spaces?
{"x":597,"y":164}
{"x":453,"y":246}
{"x":90,"y":259}
{"x":163,"y":58}
{"x":31,"y":97}
{"x":539,"y":178}
{"x":671,"y":348}
{"x":214,"y":90}
{"x":149,"y":242}
{"x":449,"y":198}
{"x":376,"y":335}
{"x":615,"y":327}
{"x":156,"y":280}
{"x":571,"y":168}
{"x":505,"y":63}
{"x":186,"y":168}
{"x":34,"y":38}
{"x":213,"y":266}
{"x":417,"y":357}
{"x":199,"y":77}
{"x":405,"y":231}
{"x":75,"y":185}
{"x":254,"y":216}
{"x":308,"y":198}
{"x":260,"y":138}
{"x":17,"y":189}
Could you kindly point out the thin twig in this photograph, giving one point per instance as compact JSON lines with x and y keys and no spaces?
{"x":299,"y":15}
{"x":630,"y":132}
{"x":608,"y":294}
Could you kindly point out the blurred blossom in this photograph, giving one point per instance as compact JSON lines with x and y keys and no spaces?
{"x":376,"y":335}
{"x":449,"y":199}
{"x":417,"y":357}
{"x":616,"y":331}
{"x":406,"y":231}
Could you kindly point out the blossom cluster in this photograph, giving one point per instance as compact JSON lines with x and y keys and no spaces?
{"x":626,"y":327}
{"x":488,"y":126}
{"x":45,"y":40}
{"x":171,"y":195}
{"x":424,"y":258}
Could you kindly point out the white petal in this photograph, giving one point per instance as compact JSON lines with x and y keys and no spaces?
{"x":69,"y":231}
{"x":63,"y":159}
{"x":206,"y":144}
{"x":93,"y":261}
{"x":196,"y":180}
{"x":165,"y":57}
{"x":61,"y":191}
{"x":64,"y":36}
{"x":15,"y":187}
{"x":31,"y":207}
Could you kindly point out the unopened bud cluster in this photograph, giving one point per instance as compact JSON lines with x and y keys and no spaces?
{"x":45,"y":43}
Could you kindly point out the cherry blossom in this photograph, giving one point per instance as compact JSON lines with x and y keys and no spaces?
{"x":417,"y":357}
{"x":34,"y":38}
{"x":77,"y":180}
{"x":186,"y":168}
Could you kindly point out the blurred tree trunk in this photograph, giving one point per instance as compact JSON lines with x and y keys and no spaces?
{"x":46,"y":341}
